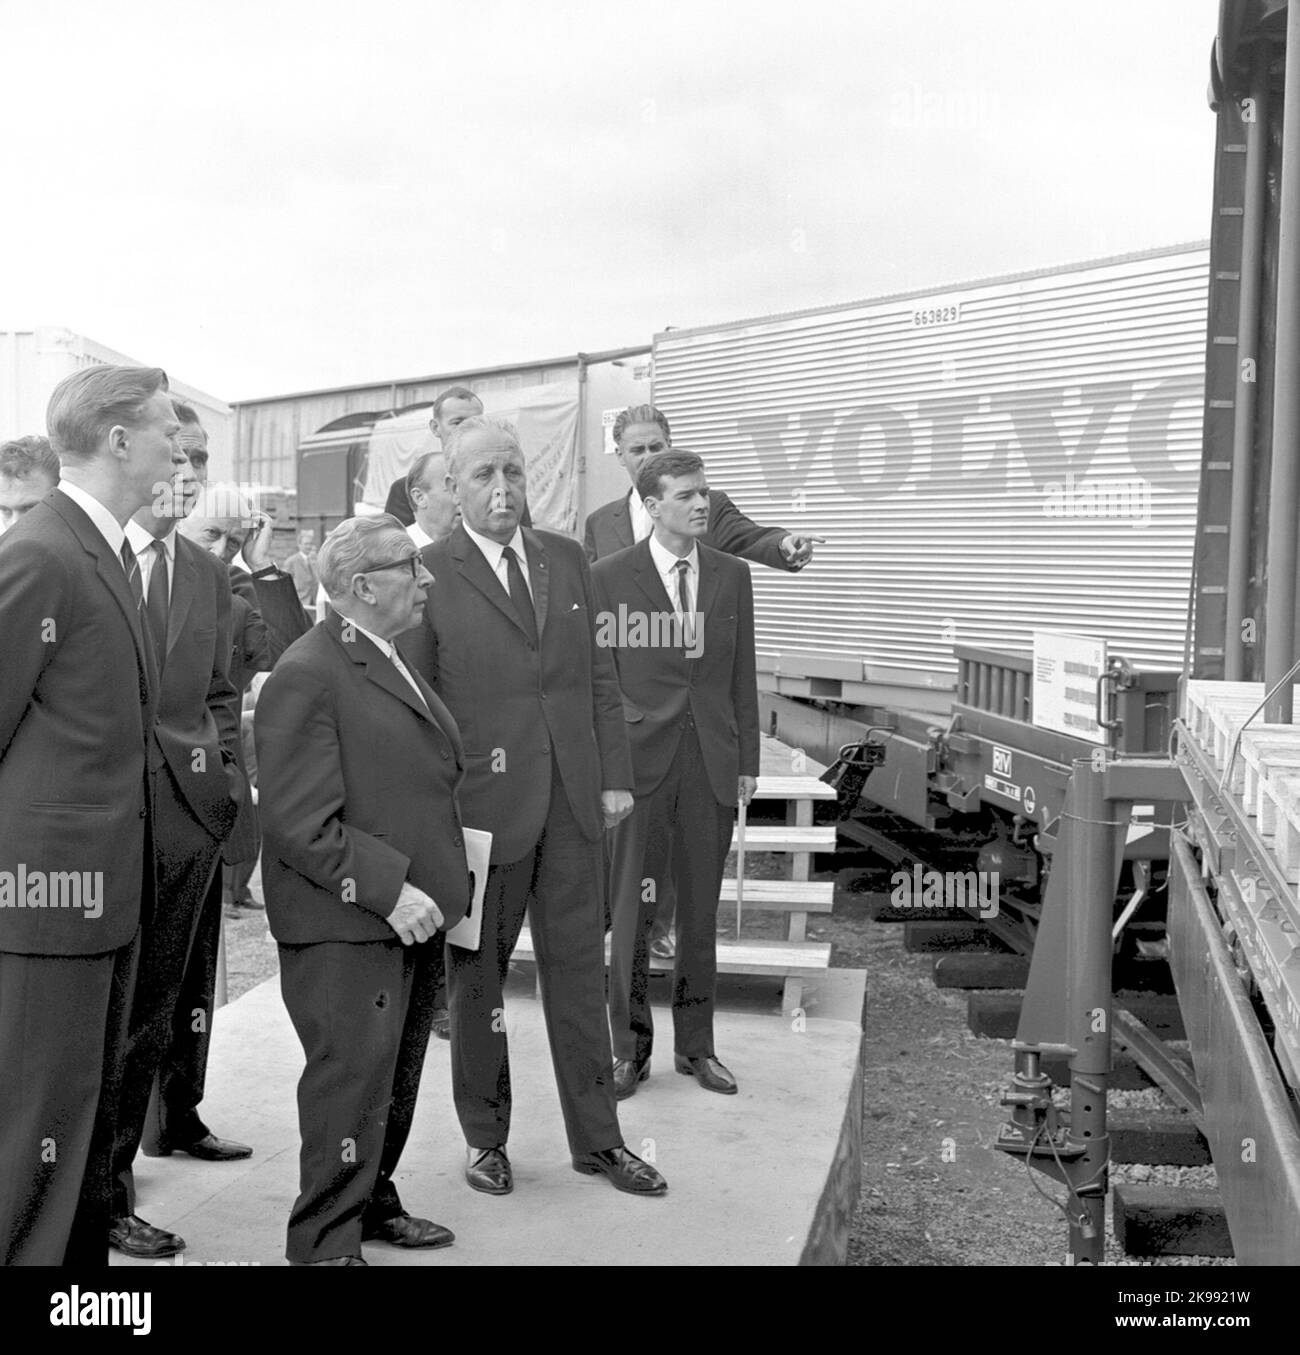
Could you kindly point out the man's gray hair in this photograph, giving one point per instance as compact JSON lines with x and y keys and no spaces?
{"x":352,"y":548}
{"x":221,"y":502}
{"x":477,"y":424}
{"x":87,"y":404}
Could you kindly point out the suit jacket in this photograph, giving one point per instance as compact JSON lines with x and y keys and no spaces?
{"x":276,"y":600}
{"x":249,"y":654}
{"x":519,"y":707}
{"x":662,"y":686}
{"x":609,"y":529}
{"x":357,"y":792}
{"x":196,"y":729}
{"x":76,"y":705}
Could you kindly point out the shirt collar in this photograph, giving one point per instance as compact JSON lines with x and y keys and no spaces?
{"x":105,"y":523}
{"x":666,"y":561}
{"x":419,"y":535}
{"x":492,"y":549}
{"x":141,"y":540}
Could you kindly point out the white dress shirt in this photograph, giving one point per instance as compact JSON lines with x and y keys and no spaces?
{"x":493,"y":553}
{"x":642,"y":523}
{"x":390,"y":649}
{"x":108,"y":526}
{"x":142,"y":544}
{"x":419,"y":536}
{"x":666,"y":564}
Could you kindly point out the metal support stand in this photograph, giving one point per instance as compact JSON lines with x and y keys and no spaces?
{"x":1067,"y":1005}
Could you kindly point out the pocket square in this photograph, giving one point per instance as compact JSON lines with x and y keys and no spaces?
{"x":575,"y":608}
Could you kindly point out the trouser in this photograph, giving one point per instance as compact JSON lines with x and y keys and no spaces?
{"x":680,"y":826}
{"x":173,"y":1118}
{"x":63,"y":1026}
{"x":362,"y":1011}
{"x":559,"y":884}
{"x":185,"y":863}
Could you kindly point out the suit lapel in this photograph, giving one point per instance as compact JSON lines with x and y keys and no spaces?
{"x":184,"y":587}
{"x":109,"y":568}
{"x":471,"y":563}
{"x":710,"y":581}
{"x":649,"y":580}
{"x":381,"y":670}
{"x":539,"y":575}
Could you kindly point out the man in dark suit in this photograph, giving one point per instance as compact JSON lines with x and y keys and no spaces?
{"x":196,"y":790}
{"x":642,"y":431}
{"x":508,"y":643}
{"x":76,"y":706}
{"x":680,"y":619}
{"x":358,"y":764}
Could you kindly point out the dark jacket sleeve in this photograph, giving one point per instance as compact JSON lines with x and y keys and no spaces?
{"x":589,"y":540}
{"x":731,"y":531}
{"x":277,"y":601}
{"x":744,"y":681}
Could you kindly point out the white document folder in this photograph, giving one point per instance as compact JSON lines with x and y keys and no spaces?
{"x":478,"y":853}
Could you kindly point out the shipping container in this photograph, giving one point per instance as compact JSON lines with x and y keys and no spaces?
{"x":985,"y":459}
{"x":34,"y":361}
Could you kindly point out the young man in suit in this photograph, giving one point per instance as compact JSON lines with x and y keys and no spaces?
{"x":76,"y":707}
{"x":364,"y":861}
{"x":641,"y":432}
{"x":508,"y":642}
{"x":196,"y":788}
{"x":679,"y":618}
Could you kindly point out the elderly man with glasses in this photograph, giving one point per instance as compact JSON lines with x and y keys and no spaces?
{"x":363,"y":863}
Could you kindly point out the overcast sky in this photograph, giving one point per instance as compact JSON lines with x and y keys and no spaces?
{"x":266,"y":196}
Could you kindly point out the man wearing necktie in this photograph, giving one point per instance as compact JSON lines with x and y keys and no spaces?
{"x":364,"y":862}
{"x":196,"y":789}
{"x":691,"y":704}
{"x":76,"y":710}
{"x":508,"y":642}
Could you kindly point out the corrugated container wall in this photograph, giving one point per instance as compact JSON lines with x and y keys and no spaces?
{"x":268,"y":431}
{"x":985,"y":460}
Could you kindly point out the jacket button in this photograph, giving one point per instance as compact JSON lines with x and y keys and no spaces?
{"x":457,"y":842}
{"x":444,"y":755}
{"x":542,"y":695}
{"x":144,"y":813}
{"x":546,"y":748}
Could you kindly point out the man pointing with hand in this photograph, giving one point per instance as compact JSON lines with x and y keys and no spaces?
{"x":363,"y":863}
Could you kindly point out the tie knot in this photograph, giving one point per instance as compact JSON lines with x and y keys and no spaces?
{"x":682,"y":566}
{"x":508,"y":552}
{"x":158,"y":548}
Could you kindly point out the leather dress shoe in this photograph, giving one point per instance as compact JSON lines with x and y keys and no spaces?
{"x":663,"y":947}
{"x":709,"y":1073}
{"x":442,"y":1023}
{"x":404,"y":1231}
{"x":488,"y":1170}
{"x":208,"y":1149}
{"x":132,"y":1236}
{"x":335,"y":1261}
{"x":627,"y":1073}
{"x":625,"y":1170}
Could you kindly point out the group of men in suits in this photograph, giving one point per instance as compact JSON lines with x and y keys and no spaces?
{"x":466,"y":675}
{"x":119,"y":774}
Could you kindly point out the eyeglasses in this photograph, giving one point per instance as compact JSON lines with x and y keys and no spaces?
{"x":411,"y":562}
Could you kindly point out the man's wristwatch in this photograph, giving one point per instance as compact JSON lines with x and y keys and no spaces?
{"x":268,"y":572}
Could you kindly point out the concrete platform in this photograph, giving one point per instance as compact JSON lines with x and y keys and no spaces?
{"x":767,"y":1177}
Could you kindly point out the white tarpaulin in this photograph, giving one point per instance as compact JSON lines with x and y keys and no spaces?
{"x":546,"y":419}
